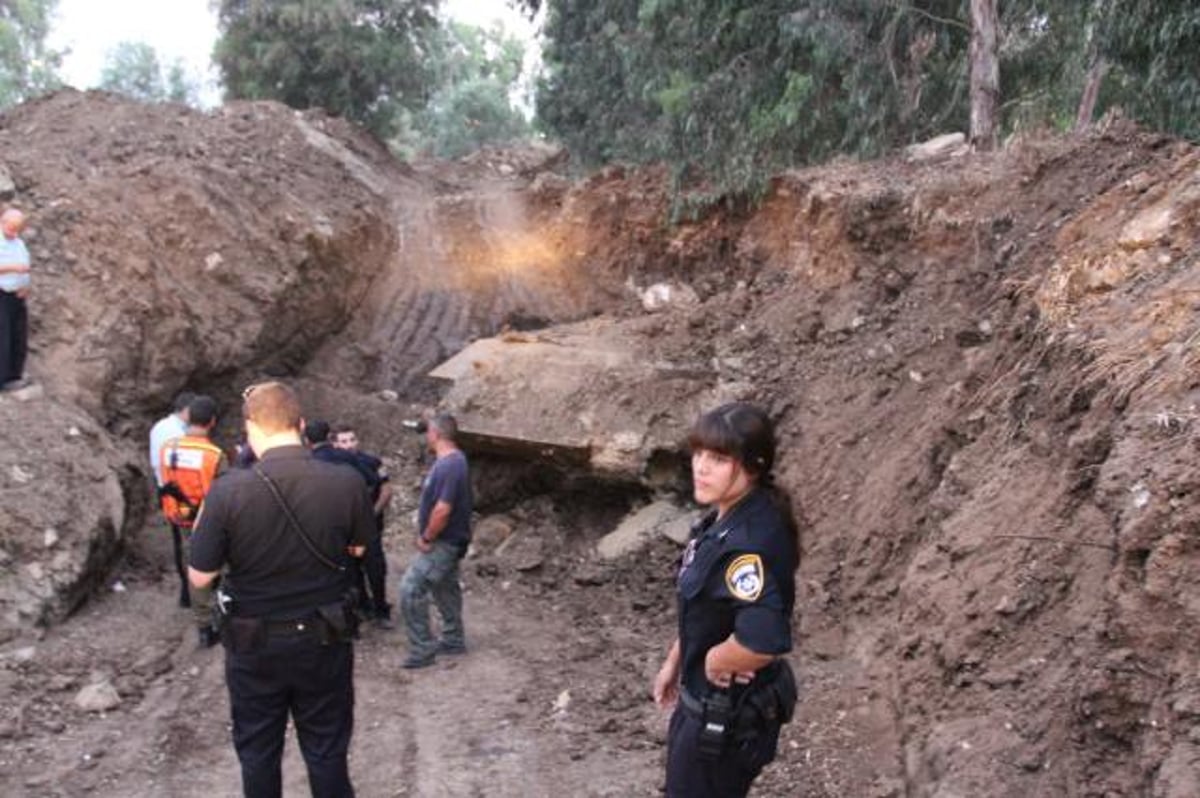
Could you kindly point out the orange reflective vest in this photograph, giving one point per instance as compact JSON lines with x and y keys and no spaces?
{"x":189,"y":465}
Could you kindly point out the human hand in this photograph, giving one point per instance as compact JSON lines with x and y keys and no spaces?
{"x":424,"y":545}
{"x":23,"y":293}
{"x":666,"y":685}
{"x":722,"y":677}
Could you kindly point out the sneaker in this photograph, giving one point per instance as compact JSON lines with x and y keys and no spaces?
{"x":453,"y":649}
{"x":15,"y":385}
{"x":413,"y":663}
{"x":209,"y":636}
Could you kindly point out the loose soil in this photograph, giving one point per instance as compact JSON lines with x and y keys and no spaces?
{"x":983,"y":372}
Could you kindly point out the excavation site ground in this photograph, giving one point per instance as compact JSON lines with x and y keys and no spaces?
{"x":984,"y":370}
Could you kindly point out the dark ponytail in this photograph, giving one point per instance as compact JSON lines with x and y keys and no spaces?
{"x":745,"y":432}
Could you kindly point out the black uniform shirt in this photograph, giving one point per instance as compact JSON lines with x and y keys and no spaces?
{"x":272,"y":574}
{"x":736,"y":578}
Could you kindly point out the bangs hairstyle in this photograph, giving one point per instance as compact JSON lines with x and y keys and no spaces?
{"x":744,"y":432}
{"x":739,"y":430}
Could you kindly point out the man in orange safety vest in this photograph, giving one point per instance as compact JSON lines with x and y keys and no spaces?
{"x":189,"y":465}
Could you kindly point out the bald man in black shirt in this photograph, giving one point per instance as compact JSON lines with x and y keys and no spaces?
{"x":286,"y":530}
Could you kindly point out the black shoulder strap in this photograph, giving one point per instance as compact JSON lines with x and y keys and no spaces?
{"x":295,"y":522}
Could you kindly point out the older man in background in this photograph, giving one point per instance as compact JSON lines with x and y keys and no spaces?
{"x":14,"y":291}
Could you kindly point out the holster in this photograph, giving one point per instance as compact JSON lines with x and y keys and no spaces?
{"x":766,"y":704}
{"x":339,"y":622}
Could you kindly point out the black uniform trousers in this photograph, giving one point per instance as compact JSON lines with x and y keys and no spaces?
{"x":728,"y":776}
{"x":314,"y":683}
{"x":14,"y":336}
{"x":372,"y":576}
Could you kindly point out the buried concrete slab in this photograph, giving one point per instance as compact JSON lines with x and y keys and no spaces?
{"x":642,"y":526}
{"x":588,"y":395}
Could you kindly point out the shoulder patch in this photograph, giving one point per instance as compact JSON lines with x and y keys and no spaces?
{"x":744,"y":577}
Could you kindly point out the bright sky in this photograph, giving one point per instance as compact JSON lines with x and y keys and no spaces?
{"x":186,"y":29}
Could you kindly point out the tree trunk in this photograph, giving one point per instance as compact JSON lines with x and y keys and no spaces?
{"x":985,"y":73}
{"x":1091,"y":93}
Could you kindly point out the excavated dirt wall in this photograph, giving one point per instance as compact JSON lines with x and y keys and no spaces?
{"x":984,"y":373}
{"x":171,"y":250}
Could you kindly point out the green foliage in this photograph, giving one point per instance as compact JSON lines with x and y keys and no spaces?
{"x":366,"y":60}
{"x":27,"y":67}
{"x":133,"y":69}
{"x":1154,"y":46}
{"x":476,"y":72}
{"x":729,"y":92}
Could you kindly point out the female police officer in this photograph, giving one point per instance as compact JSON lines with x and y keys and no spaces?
{"x":736,"y":591}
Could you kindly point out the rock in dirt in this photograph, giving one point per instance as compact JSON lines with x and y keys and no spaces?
{"x":64,"y":512}
{"x":98,"y":697}
{"x":641,"y":527}
{"x":939,"y":148}
{"x":490,"y":533}
{"x":587,"y":414}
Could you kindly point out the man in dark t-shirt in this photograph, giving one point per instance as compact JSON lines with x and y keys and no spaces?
{"x":286,"y":530}
{"x":443,"y":534}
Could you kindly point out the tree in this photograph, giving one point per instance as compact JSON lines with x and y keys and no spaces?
{"x":27,"y":67}
{"x":362,"y":59}
{"x":730,"y":91}
{"x":133,"y":69}
{"x":180,"y":88}
{"x":985,"y":73}
{"x":1150,"y":47}
{"x":476,"y":72}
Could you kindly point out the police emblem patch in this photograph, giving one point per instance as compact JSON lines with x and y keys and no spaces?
{"x":744,"y":577}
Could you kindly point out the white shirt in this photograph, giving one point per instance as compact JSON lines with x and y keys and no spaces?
{"x":164,"y":430}
{"x":12,"y":250}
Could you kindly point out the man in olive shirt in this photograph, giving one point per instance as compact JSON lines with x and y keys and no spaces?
{"x":288,"y":640}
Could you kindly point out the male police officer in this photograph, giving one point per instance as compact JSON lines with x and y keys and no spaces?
{"x":286,"y":529}
{"x":443,"y":534}
{"x":372,"y":576}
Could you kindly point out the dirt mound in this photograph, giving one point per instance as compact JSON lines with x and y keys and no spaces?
{"x":983,"y":372}
{"x":172,"y":246}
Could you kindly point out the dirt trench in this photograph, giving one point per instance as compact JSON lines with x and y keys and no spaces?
{"x":983,"y":374}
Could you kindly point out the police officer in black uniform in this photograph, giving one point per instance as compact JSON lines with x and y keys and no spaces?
{"x":286,"y":530}
{"x":725,"y":673}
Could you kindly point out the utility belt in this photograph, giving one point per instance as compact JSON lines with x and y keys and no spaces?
{"x":330,"y":624}
{"x":762,"y":707}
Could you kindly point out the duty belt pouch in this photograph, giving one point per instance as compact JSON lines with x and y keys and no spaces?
{"x":244,"y":635}
{"x":786,"y":691}
{"x":715,"y":726}
{"x":338,"y":623}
